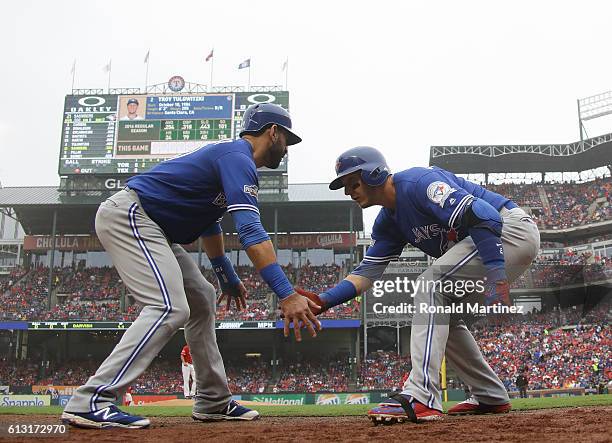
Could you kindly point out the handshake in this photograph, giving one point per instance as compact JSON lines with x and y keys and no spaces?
{"x":315,"y":298}
{"x":301,"y":309}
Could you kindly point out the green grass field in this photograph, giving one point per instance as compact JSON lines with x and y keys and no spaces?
{"x":329,"y":411}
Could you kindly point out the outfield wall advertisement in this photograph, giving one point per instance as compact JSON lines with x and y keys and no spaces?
{"x":11,"y":401}
{"x":362,"y":398}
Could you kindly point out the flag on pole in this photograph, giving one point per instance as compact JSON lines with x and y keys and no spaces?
{"x":146,"y":62}
{"x":209,"y":56}
{"x":107,"y":69}
{"x":73,"y":72}
{"x":245,"y":64}
{"x":285,"y":65}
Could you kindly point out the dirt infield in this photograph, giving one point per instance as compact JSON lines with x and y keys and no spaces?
{"x":550,"y":425}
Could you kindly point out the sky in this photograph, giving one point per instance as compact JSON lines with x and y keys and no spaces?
{"x":399,"y":76}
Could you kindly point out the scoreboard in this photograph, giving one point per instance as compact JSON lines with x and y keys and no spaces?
{"x":109,"y":134}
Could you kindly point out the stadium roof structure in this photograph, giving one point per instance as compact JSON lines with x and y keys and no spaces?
{"x":584,"y":232}
{"x":310,"y":207}
{"x":579,"y":156}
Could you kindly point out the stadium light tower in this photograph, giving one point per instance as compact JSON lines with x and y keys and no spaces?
{"x":593,"y":107}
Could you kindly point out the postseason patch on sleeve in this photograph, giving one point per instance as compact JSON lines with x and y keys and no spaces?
{"x":252,"y":190}
{"x":438,"y":192}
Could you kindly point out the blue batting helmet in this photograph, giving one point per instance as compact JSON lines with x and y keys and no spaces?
{"x":371,"y":163}
{"x":258,"y":116}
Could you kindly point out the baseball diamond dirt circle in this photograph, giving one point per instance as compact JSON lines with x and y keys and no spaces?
{"x":547,"y":425}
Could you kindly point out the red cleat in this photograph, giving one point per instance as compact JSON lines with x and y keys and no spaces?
{"x":390,"y":412}
{"x":472,"y":406}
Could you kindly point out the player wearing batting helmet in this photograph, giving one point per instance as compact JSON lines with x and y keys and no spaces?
{"x":142,"y":228}
{"x":475,"y":235}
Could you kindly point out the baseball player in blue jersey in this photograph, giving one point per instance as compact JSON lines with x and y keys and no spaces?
{"x":475,"y":235}
{"x":142,"y":228}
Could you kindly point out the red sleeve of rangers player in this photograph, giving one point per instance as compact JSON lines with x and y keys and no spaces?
{"x":186,"y":354}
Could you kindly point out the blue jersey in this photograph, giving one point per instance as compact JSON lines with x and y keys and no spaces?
{"x":188,"y":194}
{"x":429,"y":207}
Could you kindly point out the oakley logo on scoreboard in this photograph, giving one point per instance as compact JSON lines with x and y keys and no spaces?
{"x":91,"y":104}
{"x":92,"y":101}
{"x":261,"y":98}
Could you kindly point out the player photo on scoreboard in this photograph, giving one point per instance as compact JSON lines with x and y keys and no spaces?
{"x":132,"y":107}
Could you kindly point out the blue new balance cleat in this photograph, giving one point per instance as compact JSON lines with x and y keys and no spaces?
{"x":109,"y":417}
{"x":233,"y":411}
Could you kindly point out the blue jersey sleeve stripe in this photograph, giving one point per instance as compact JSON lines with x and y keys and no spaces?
{"x":242,"y":207}
{"x":458,"y":209}
{"x":380,"y":261}
{"x":455,"y":213}
{"x":372,"y":257}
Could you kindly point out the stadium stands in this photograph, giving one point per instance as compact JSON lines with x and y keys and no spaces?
{"x":383,"y":370}
{"x":562,"y":205}
{"x":324,"y":374}
{"x":94,"y":294}
{"x":566,"y":269}
{"x":26,"y":298}
{"x":559,"y":348}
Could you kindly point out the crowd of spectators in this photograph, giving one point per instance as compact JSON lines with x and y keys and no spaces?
{"x":558,"y":349}
{"x":567,"y":268}
{"x":321,"y":278}
{"x":81,"y":294}
{"x":92,"y":284}
{"x":561,"y":348}
{"x":26,"y":296}
{"x":18,"y":372}
{"x":68,"y":373}
{"x":250,"y":376}
{"x":318,"y":278}
{"x":95,"y":294}
{"x":571,"y":204}
{"x":565,"y":204}
{"x":383,"y":370}
{"x":525,"y":195}
{"x":163,"y":377}
{"x":8,"y":280}
{"x":75,"y":309}
{"x":259,"y":297}
{"x":313,"y":278}
{"x":314,"y":376}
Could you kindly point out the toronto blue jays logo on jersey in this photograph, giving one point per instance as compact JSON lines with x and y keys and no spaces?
{"x":438,"y":192}
{"x":252,"y":190}
{"x":220,"y":200}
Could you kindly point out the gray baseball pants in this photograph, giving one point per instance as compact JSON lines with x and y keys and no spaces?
{"x":173,"y":293}
{"x":435,"y":335}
